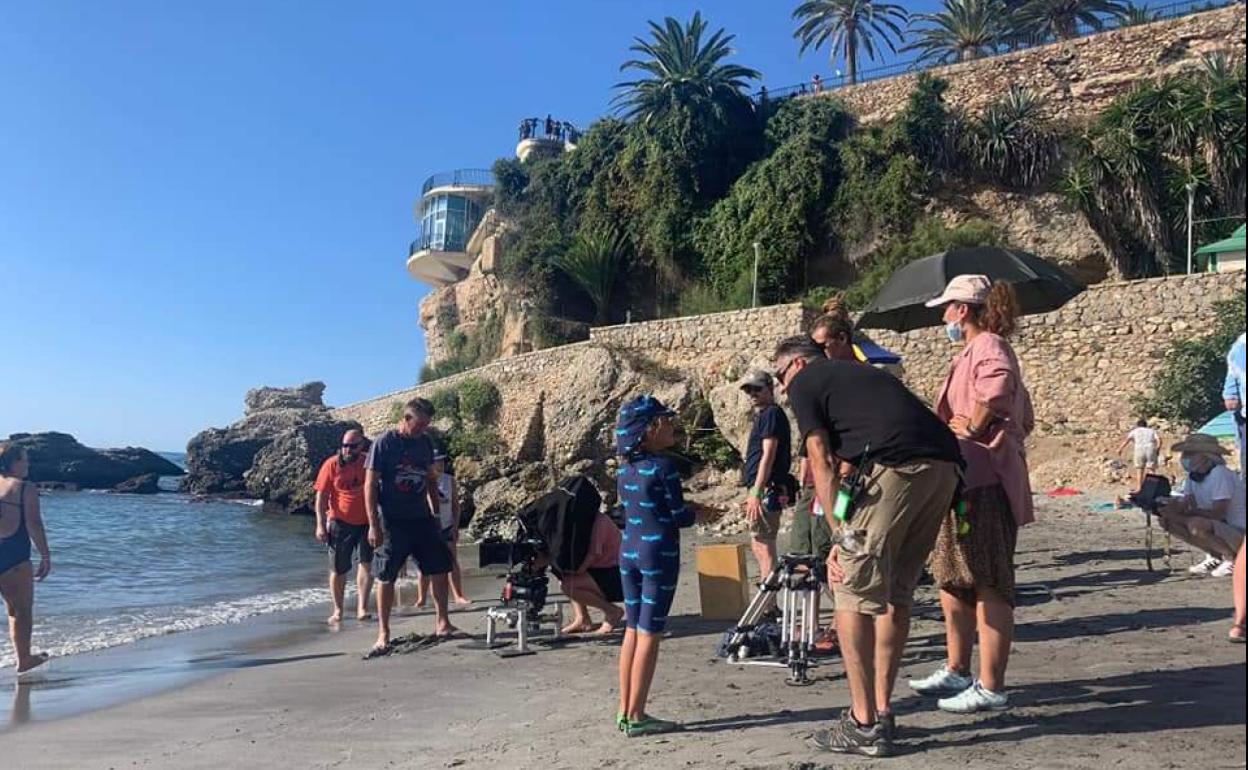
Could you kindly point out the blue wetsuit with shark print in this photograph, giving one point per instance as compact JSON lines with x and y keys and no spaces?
{"x":654,"y":512}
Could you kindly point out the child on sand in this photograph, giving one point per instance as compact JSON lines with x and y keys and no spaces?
{"x":655,"y":512}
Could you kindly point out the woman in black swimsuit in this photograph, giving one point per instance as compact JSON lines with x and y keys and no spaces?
{"x":20,"y":523}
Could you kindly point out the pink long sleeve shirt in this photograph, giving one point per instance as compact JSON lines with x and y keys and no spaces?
{"x":987,"y":372}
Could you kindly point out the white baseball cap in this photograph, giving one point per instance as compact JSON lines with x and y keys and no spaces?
{"x":971,"y":289}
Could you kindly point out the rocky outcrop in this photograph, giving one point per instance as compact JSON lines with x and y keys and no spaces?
{"x":283,"y":472}
{"x":272,"y":453}
{"x":147,"y":484}
{"x":58,"y":459}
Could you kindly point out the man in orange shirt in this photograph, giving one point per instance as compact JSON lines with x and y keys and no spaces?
{"x":340,"y":494}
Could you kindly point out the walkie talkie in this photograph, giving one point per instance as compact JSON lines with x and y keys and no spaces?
{"x":850,"y":488}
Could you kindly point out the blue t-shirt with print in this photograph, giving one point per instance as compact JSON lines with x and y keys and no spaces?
{"x":403,"y":467}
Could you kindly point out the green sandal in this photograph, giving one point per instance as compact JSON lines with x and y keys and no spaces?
{"x":621,"y":722}
{"x":648,"y":725}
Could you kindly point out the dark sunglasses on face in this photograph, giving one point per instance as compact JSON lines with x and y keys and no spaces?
{"x":753,"y":389}
{"x":784,"y":370}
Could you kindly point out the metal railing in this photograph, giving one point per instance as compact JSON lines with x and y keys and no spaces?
{"x":464,"y":177}
{"x":919,"y":64}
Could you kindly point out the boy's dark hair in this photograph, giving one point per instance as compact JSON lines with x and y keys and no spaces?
{"x":421,"y":405}
{"x":1141,"y":423}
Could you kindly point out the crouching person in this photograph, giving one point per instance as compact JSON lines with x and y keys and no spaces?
{"x":596,"y":584}
{"x":1210,"y":515}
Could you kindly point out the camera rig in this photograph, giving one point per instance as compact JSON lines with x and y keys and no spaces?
{"x":792,"y":587}
{"x":1152,"y":494}
{"x":551,"y":534}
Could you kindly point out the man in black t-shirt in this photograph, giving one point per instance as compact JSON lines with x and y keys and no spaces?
{"x":910,"y":464}
{"x":766,"y":469}
{"x":401,"y":523}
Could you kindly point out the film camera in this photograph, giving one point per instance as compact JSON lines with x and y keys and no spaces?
{"x":552,"y":534}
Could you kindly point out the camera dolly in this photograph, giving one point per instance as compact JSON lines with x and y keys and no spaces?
{"x":793,"y":586}
{"x":521,"y":609}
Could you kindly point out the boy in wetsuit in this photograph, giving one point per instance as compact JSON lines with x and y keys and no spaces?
{"x":654,"y":512}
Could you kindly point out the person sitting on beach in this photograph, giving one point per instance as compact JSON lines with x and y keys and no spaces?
{"x":1211,"y":513}
{"x":597,"y":583}
{"x":400,"y":500}
{"x":448,"y":520}
{"x":20,"y":523}
{"x":1147,"y":450}
{"x":342,"y":523}
{"x":655,"y":512}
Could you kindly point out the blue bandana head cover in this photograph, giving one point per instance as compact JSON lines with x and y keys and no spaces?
{"x":635,"y":418}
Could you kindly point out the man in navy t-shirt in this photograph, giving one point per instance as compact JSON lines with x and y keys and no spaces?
{"x":401,"y":524}
{"x":768,"y":457}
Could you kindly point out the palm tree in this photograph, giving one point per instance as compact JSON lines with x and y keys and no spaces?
{"x":595,"y":261}
{"x":1138,"y":14}
{"x":1012,"y":142}
{"x":963,"y":31}
{"x":682,"y":71}
{"x":847,"y":26}
{"x":1062,"y":18}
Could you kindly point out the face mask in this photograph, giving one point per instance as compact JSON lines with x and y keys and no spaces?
{"x":954,"y":332}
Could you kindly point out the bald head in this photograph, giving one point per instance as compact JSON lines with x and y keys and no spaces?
{"x":353,"y":443}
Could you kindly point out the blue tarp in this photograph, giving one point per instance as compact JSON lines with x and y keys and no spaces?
{"x":868,"y":351}
{"x":1222,"y":426}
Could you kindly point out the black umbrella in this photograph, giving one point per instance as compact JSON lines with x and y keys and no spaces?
{"x":1041,"y":286}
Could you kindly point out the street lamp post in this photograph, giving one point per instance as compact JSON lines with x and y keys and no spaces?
{"x":1191,"y":215}
{"x":757,"y":250}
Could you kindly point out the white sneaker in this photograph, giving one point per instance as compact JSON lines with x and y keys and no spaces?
{"x":974,"y":699}
{"x":942,"y":682}
{"x":1223,"y":570}
{"x":1205,"y":567}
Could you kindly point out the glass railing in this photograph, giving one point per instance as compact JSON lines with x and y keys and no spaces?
{"x":464,"y":177}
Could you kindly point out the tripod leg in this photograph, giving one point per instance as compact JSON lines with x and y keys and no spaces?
{"x":1148,"y":541}
{"x":762,"y":603}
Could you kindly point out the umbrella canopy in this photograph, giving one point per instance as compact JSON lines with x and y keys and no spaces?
{"x":1234,"y":243}
{"x":1222,"y":426}
{"x":1041,"y":286}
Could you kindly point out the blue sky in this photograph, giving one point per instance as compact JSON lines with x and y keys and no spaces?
{"x":197,"y":198}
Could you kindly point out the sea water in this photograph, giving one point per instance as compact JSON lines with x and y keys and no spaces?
{"x":130,"y":567}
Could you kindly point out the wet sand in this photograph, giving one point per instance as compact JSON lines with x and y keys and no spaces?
{"x":1114,"y":667}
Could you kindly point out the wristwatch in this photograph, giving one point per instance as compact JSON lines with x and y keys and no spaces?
{"x":756,"y":492}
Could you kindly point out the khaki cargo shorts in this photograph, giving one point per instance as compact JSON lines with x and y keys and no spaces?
{"x":895,"y":525}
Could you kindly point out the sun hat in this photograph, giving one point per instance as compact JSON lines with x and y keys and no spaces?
{"x":634,"y":420}
{"x":1201,"y":443}
{"x":971,"y":289}
{"x":756,"y":378}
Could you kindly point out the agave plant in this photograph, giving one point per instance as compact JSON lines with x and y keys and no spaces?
{"x":595,"y":261}
{"x":1013,"y":143}
{"x":682,"y":70}
{"x":848,"y":26}
{"x":1063,"y":18}
{"x":963,"y":31}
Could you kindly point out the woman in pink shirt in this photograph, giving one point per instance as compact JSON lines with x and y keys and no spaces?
{"x":987,"y":406}
{"x":597,"y":583}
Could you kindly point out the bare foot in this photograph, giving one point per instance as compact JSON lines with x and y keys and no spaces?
{"x":335,"y":618}
{"x":576,"y":627}
{"x":606,"y":629}
{"x":34,"y":662}
{"x":463,"y":601}
{"x":419,"y":603}
{"x":446,"y":630}
{"x":363,"y":616}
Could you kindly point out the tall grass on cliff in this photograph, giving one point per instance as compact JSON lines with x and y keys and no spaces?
{"x":1187,"y":388}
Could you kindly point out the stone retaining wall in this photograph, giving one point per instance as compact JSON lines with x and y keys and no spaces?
{"x":1083,"y":363}
{"x":1078,"y":77}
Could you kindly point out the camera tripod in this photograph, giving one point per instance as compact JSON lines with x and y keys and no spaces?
{"x":520,"y":616}
{"x":793,"y":587}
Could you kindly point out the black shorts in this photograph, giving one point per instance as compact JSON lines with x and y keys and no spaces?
{"x":417,"y":539}
{"x":344,"y":541}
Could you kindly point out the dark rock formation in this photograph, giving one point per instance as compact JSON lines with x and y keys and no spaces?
{"x":271,"y":454}
{"x":58,"y":458}
{"x":283,"y":472}
{"x":146,"y":484}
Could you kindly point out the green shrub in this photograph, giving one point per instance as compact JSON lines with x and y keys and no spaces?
{"x":472,"y":441}
{"x":1188,"y":386}
{"x":704,"y":443}
{"x":478,"y":400}
{"x":446,"y":402}
{"x":396,"y":412}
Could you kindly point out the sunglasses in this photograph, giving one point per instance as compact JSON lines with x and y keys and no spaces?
{"x":784,"y":370}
